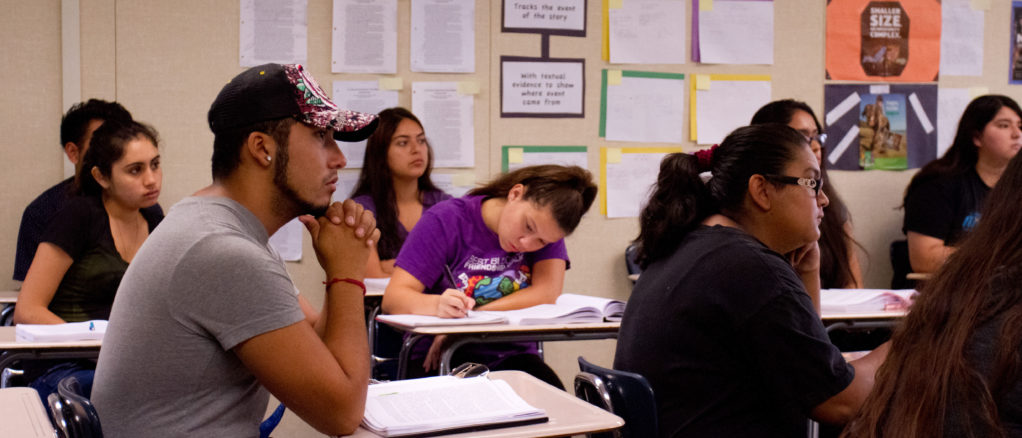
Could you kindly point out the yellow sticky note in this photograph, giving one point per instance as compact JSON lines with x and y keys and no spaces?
{"x":613,"y":77}
{"x":616,"y":4}
{"x":391,"y":83}
{"x":702,"y":82}
{"x":468,"y":87}
{"x":975,"y":92}
{"x":613,"y":155}
{"x":515,"y":155}
{"x":705,"y":5}
{"x":981,"y":5}
{"x":463,"y":179}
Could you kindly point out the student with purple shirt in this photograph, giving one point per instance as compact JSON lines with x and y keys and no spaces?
{"x":395,"y":184}
{"x":503,"y":244}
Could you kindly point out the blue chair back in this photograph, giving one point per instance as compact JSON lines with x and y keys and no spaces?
{"x":627,"y":395}
{"x":72,"y":412}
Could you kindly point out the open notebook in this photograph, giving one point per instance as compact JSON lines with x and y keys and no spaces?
{"x":865,"y":300}
{"x":71,"y":331}
{"x":445,"y":404}
{"x":569,"y":309}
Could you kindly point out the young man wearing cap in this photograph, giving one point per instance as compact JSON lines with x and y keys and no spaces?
{"x":76,"y":129}
{"x":207,"y":319}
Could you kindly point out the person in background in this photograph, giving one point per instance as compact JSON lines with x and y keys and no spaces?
{"x":395,"y":184}
{"x":724,"y":320}
{"x":501,"y":247}
{"x":839,"y":263}
{"x":943,"y":201}
{"x":76,"y":128}
{"x":88,"y":245}
{"x":953,"y":369}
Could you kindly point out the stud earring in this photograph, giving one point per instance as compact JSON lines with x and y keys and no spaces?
{"x":269,"y":159}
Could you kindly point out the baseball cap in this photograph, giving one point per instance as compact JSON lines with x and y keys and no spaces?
{"x":275,"y":91}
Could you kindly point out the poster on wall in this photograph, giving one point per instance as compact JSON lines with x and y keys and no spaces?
{"x":542,"y":87}
{"x":880,"y":126}
{"x":883,"y":41}
{"x":552,"y":17}
{"x":1016,"y":43}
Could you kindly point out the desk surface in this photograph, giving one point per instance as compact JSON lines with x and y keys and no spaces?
{"x":597,"y":327}
{"x":23,"y":414}
{"x":8,"y":342}
{"x":861,"y":316}
{"x":8,"y":296}
{"x":568,"y":415}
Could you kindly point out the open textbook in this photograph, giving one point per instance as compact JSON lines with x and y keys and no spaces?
{"x":569,"y":309}
{"x":445,"y":404}
{"x":70,"y":331}
{"x":865,"y":300}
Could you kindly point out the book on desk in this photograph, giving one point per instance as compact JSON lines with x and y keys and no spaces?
{"x":569,"y":309}
{"x":445,"y":404}
{"x":865,"y":300}
{"x":70,"y":331}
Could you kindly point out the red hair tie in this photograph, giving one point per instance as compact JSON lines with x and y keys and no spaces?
{"x":705,"y":158}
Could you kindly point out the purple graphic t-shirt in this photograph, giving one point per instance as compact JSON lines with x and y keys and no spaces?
{"x":453,"y":234}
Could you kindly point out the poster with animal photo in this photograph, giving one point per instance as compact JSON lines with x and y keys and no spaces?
{"x":889,"y":41}
{"x":1015,"y":76}
{"x":883,"y":137}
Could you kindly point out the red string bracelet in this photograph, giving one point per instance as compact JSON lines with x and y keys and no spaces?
{"x":346,"y":280}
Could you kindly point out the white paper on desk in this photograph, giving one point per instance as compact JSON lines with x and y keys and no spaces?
{"x":443,"y":36}
{"x":68,"y":331}
{"x":346,"y":182}
{"x":454,"y":184}
{"x":447,"y":118}
{"x":951,"y":103}
{"x":288,"y":241}
{"x":646,"y":110}
{"x":727,"y":105}
{"x":629,"y":182}
{"x":473,"y":318}
{"x":865,"y":300}
{"x":737,"y":32}
{"x":366,"y":97}
{"x":273,"y":31}
{"x":364,"y":38}
{"x":647,"y":32}
{"x":961,"y":39}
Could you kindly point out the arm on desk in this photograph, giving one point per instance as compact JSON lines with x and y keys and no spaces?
{"x":404,"y":295}
{"x":323,"y":378}
{"x":547,"y":284}
{"x":806,"y":261}
{"x":841,"y":407}
{"x":927,"y":253}
{"x":44,"y":276}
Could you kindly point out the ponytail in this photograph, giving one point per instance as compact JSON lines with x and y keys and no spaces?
{"x":679,"y":203}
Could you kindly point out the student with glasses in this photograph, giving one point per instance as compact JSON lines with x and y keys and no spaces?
{"x":839,"y":263}
{"x":724,"y":320}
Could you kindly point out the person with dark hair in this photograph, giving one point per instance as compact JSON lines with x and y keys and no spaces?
{"x":839,"y":264}
{"x":724,"y":320}
{"x":953,"y":369}
{"x":395,"y":184}
{"x":88,"y":245}
{"x":503,"y":246}
{"x":76,"y":128}
{"x":943,"y":201}
{"x":207,"y":322}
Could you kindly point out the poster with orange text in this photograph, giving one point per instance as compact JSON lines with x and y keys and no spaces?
{"x":883,"y":41}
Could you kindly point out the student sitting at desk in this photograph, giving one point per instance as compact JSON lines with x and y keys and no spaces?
{"x":501,"y":247}
{"x":943,"y":201}
{"x":953,"y":369}
{"x":88,"y":245}
{"x":720,"y":322}
{"x":395,"y":184}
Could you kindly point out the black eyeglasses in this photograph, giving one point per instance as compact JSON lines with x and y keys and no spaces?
{"x":813,"y":184}
{"x":821,"y":137}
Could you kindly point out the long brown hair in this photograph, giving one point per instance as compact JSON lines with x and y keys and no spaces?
{"x":568,"y":190}
{"x":927,"y":377}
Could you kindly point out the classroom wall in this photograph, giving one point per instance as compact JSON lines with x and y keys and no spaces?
{"x":165,"y":61}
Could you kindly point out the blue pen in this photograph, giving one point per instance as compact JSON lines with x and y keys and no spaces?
{"x":92,"y":326}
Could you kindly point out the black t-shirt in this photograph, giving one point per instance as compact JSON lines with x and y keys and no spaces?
{"x":728,"y":338}
{"x":945,"y":207}
{"x":82,"y":230}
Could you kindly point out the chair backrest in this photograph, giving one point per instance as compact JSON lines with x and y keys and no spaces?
{"x":72,"y":412}
{"x":630,"y":264}
{"x":627,"y":395}
{"x":901,"y":265}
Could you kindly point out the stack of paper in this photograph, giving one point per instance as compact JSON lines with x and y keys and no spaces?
{"x":448,"y":404}
{"x":865,"y":300}
{"x":569,"y":309}
{"x":72,"y":331}
{"x":473,"y":318}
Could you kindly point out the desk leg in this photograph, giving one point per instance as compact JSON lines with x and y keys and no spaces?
{"x":448,"y":353}
{"x":406,"y":351}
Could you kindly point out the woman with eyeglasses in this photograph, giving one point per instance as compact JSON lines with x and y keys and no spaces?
{"x":723,"y":321}
{"x":943,"y":201}
{"x":839,"y":263}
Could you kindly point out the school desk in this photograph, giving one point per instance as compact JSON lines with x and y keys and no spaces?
{"x":8,"y":297}
{"x":862,"y":320}
{"x":567,"y":414}
{"x":490,"y":333}
{"x":23,"y":414}
{"x":12,"y":350}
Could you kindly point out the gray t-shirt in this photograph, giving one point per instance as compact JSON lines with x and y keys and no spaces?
{"x":203,"y":282}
